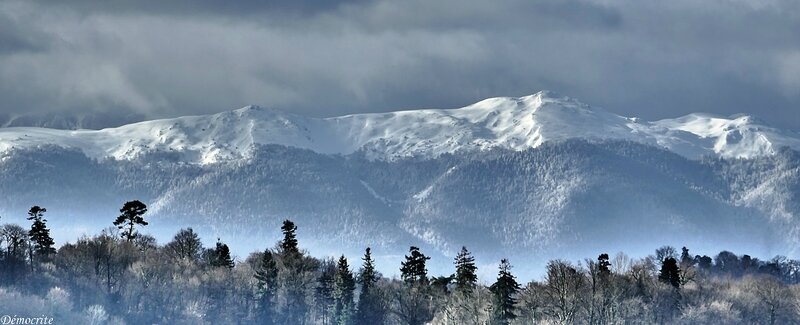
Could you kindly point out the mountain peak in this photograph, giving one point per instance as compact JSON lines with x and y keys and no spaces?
{"x":541,"y":97}
{"x":544,"y":99}
{"x":546,"y":94}
{"x":255,"y":108}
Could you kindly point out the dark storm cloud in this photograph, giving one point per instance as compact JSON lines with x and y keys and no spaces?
{"x":13,"y":39}
{"x":155,"y":59}
{"x":237,"y":8}
{"x":488,"y":17}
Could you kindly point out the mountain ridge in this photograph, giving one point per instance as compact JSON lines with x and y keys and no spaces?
{"x":516,"y":123}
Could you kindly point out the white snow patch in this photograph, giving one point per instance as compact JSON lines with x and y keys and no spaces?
{"x":375,"y":194}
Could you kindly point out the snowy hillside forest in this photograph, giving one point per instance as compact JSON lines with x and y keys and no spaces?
{"x":563,"y":199}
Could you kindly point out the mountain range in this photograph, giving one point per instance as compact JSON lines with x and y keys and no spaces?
{"x":509,"y":123}
{"x":528,"y":178}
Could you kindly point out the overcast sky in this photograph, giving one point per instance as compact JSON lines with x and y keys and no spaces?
{"x":151,"y":59}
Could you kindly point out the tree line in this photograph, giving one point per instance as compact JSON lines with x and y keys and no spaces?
{"x":123,"y":276}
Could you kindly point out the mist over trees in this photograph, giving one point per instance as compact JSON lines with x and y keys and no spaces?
{"x":123,"y":276}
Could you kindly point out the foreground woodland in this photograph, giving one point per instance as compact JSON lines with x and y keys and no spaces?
{"x":122,"y":276}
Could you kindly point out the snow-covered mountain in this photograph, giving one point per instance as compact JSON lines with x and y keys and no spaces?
{"x":528,"y":178}
{"x":508,"y":123}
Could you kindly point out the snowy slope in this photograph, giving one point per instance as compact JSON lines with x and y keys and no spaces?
{"x":512,"y":123}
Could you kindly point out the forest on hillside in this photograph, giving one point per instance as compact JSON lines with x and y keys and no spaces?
{"x":123,"y":276}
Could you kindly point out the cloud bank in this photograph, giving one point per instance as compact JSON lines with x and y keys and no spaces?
{"x":113,"y":62}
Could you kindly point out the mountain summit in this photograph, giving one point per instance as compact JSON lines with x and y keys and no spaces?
{"x":504,"y":122}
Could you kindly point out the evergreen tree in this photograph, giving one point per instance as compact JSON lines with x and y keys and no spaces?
{"x":344,"y":287}
{"x":221,"y":256}
{"x":289,"y":242}
{"x":39,"y":234}
{"x":323,"y":295}
{"x":368,"y":277}
{"x":504,"y":291}
{"x":298,"y":277}
{"x":267,"y":277}
{"x":413,"y":269}
{"x":130,"y":216}
{"x":603,"y":264}
{"x":412,"y":302}
{"x":370,"y":306}
{"x":670,"y":272}
{"x":465,"y":271}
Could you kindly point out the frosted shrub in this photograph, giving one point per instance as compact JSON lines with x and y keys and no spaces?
{"x":14,"y":302}
{"x":716,"y":312}
{"x":58,"y":297}
{"x":96,"y":314}
{"x":195,"y":310}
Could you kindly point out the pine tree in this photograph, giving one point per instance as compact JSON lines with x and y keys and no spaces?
{"x":297,"y":277}
{"x":267,"y":277}
{"x":603,"y":265}
{"x":344,"y":287}
{"x":504,"y":291}
{"x":130,"y":216}
{"x":323,"y":293}
{"x":289,"y":243}
{"x":221,"y":256}
{"x":370,"y":306}
{"x":413,"y":269}
{"x":465,"y":271}
{"x":368,"y":276}
{"x":39,"y":234}
{"x":670,"y":272}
